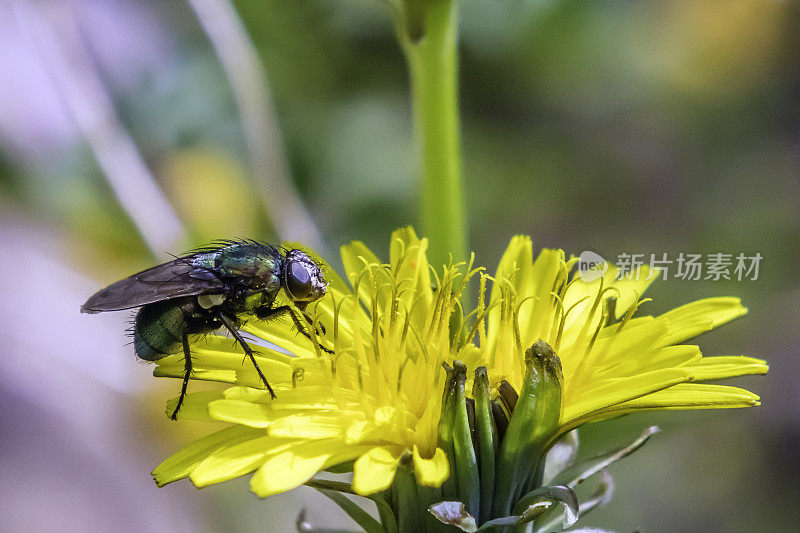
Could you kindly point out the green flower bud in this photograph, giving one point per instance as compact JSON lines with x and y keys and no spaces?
{"x":466,"y":464}
{"x":446,"y":422}
{"x":533,"y":423}
{"x":487,"y":440}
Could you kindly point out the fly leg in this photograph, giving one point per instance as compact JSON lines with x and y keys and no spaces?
{"x":230,"y":326}
{"x":187,"y":365}
{"x":285,"y":309}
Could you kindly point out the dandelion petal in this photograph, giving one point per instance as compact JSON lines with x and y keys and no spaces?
{"x":374,"y":471}
{"x":431,"y":472}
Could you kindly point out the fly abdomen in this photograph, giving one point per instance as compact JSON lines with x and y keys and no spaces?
{"x":158,"y":329}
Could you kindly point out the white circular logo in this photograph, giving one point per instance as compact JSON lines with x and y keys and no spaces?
{"x":591,"y":266}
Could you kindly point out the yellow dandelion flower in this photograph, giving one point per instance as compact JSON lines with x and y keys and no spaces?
{"x":374,"y":399}
{"x":612,"y":362}
{"x":386,"y":389}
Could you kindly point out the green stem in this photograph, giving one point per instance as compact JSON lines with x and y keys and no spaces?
{"x":427,"y":30}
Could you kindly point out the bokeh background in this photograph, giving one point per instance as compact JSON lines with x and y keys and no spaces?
{"x":132,"y":128}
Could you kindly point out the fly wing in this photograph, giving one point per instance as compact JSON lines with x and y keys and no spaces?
{"x":163,"y":282}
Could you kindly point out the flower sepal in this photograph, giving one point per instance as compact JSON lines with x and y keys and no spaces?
{"x":533,"y":505}
{"x":577,"y":474}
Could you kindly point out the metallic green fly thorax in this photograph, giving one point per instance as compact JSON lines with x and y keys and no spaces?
{"x":258,"y":265}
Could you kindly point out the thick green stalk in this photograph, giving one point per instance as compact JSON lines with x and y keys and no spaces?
{"x":427,"y":30}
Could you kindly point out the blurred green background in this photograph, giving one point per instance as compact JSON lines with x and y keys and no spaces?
{"x":611,"y":126}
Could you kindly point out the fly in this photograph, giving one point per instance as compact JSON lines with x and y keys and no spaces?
{"x":219,"y":286}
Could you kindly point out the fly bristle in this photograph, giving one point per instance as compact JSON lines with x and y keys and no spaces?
{"x":131,"y":329}
{"x":220,"y":244}
{"x":213,"y":246}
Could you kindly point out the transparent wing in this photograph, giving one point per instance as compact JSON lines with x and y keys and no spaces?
{"x":163,"y":282}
